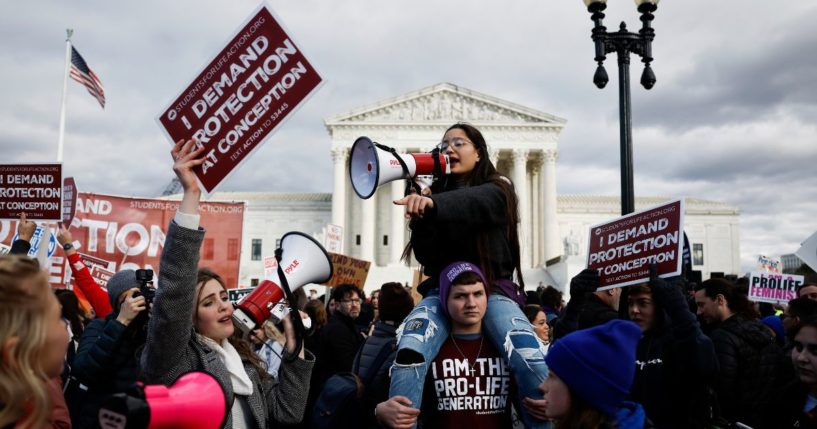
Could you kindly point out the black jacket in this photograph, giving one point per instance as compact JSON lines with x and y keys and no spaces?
{"x":340,"y":342}
{"x":20,"y":247}
{"x":384,"y":335}
{"x":675,"y":364}
{"x":792,"y":400}
{"x":106,"y":362}
{"x":451,"y":230}
{"x":749,"y":370}
{"x":595,"y":312}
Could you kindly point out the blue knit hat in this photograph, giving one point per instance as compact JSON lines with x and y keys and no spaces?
{"x":449,"y":274}
{"x":598,"y":364}
{"x":776,"y":324}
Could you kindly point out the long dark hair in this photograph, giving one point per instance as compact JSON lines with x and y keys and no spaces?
{"x":71,"y":311}
{"x":242,"y":346}
{"x":484,"y":171}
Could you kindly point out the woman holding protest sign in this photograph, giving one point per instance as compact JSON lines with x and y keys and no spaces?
{"x":469,"y":216}
{"x":192,"y":329}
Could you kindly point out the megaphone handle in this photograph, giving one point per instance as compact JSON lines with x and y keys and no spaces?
{"x":300,"y":331}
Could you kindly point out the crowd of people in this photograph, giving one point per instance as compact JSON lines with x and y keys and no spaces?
{"x":476,"y":351}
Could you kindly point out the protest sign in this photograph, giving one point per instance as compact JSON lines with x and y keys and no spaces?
{"x":235,"y":295}
{"x":39,"y":236}
{"x":245,"y":93}
{"x":346,"y":269}
{"x":35,"y":189}
{"x":101,"y":276}
{"x":4,"y":250}
{"x":92,"y":261}
{"x":334,"y":238}
{"x":69,"y":200}
{"x":808,"y":251}
{"x":773,"y":287}
{"x":131,"y":233}
{"x":270,"y":266}
{"x":623,"y":249}
{"x":770,"y":265}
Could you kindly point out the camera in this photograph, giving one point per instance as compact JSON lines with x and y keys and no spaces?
{"x":145,"y":279}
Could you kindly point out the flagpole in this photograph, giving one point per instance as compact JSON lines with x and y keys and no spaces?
{"x":69,"y":32}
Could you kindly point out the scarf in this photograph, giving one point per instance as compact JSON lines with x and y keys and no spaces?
{"x":242,"y":385}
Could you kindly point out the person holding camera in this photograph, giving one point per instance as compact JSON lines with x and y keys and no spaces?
{"x":107,"y":359}
{"x":191,"y":328}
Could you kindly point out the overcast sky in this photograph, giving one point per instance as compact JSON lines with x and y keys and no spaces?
{"x":731,"y":118}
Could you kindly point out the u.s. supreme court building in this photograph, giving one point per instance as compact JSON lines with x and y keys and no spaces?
{"x":523,"y":144}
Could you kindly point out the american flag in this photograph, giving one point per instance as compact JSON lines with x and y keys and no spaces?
{"x":83,"y":74}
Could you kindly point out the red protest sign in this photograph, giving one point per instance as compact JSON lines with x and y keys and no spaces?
{"x":101,"y":276}
{"x":251,"y":86}
{"x":622,"y":250}
{"x":35,"y":189}
{"x":69,"y":200}
{"x":91,"y":262}
{"x":130,"y":233}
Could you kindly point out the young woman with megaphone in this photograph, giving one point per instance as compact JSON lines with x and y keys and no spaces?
{"x":192,"y":327}
{"x":470,"y":215}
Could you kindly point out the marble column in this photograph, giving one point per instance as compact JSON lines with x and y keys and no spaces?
{"x":536,"y":212}
{"x":553,"y":247}
{"x":520,"y":181}
{"x":493,"y":154}
{"x":339,"y":157}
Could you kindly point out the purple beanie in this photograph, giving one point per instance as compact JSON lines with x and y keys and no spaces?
{"x":449,"y":274}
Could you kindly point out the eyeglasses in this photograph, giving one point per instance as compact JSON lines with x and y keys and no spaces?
{"x":352,"y":301}
{"x":457,"y":143}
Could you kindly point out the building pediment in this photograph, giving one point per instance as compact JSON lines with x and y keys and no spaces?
{"x":445,"y":103}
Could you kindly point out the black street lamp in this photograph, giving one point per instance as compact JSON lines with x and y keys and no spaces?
{"x":623,"y":42}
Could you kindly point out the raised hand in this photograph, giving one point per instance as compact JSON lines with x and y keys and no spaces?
{"x":25,"y":228}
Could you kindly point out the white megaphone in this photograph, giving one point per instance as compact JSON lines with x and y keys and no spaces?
{"x":372,"y":164}
{"x":303,"y":261}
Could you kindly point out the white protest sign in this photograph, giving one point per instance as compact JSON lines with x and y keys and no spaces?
{"x":37,"y":238}
{"x":334,"y":238}
{"x":773,"y":287}
{"x":768,"y":264}
{"x":270,"y":266}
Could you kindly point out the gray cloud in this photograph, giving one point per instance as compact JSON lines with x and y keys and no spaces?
{"x":731,"y":117}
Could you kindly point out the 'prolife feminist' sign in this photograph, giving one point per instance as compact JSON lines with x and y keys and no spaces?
{"x":35,"y":189}
{"x":622,"y":250}
{"x":773,"y":287}
{"x":249,"y":88}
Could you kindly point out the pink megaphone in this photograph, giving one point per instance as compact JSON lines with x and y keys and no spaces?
{"x":195,"y":400}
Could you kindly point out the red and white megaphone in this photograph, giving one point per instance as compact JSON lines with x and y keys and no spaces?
{"x":304,"y":261}
{"x":195,"y":400}
{"x":370,"y":165}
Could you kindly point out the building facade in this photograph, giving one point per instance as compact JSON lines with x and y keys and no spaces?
{"x":523,"y":145}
